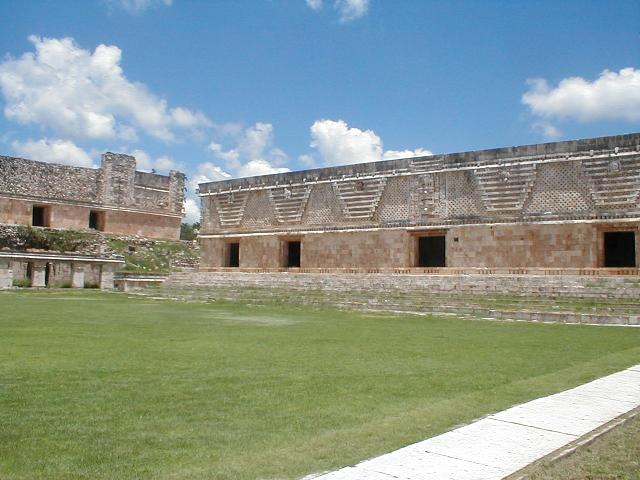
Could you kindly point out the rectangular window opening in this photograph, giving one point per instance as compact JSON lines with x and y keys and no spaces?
{"x":619,"y":249}
{"x":431,"y":251}
{"x":232,"y":255}
{"x":293,"y":254}
{"x":96,"y":220}
{"x":40,"y":216}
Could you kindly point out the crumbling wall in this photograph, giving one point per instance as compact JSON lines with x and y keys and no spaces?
{"x":26,"y":178}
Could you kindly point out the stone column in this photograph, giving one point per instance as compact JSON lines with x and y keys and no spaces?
{"x":38,"y":275}
{"x":106,"y":277}
{"x":6,"y":275}
{"x":77,"y":275}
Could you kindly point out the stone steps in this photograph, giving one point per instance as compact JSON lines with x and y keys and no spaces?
{"x":590,"y":287}
{"x":472,"y":304}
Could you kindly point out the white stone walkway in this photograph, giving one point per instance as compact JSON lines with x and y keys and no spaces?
{"x":501,"y":444}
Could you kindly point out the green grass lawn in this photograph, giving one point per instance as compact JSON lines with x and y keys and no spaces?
{"x":99,"y":385}
{"x":615,"y":455}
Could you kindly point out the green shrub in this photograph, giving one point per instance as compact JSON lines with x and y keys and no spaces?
{"x":56,"y":240}
{"x":21,"y":282}
{"x":91,"y":285}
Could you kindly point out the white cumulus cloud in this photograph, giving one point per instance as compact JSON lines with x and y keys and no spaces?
{"x":339,"y":144}
{"x":612,"y":96}
{"x":314,"y":4}
{"x":58,"y":151}
{"x":82,"y":95}
{"x":254,"y":153}
{"x":259,"y":167}
{"x":162,"y":164}
{"x":347,"y":10}
{"x":207,"y":172}
{"x":418,"y":152}
{"x":351,"y":9}
{"x":138,"y":6}
{"x":547,"y":130}
{"x":191,"y":210}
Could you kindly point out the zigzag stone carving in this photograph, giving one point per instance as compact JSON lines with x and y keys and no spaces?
{"x":360,"y":197}
{"x":614,"y":181}
{"x":289,"y":202}
{"x":506,"y":188}
{"x":230,"y":207}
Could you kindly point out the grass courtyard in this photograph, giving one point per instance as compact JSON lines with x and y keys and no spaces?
{"x":101,"y":385}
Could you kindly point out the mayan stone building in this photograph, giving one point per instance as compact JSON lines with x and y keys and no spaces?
{"x":565,"y":206}
{"x":114,"y":198}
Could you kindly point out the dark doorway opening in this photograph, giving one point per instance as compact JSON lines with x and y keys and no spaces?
{"x":619,"y":249}
{"x":48,"y":274}
{"x":431,"y":251}
{"x":233,"y":255}
{"x":30,"y":273}
{"x":96,"y":220}
{"x":293,"y":254}
{"x":39,"y":216}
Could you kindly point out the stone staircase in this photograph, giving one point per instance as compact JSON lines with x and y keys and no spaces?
{"x":599,"y":300}
{"x":420,"y":284}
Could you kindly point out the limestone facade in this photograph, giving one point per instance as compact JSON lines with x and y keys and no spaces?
{"x":572,"y":205}
{"x":114,"y":198}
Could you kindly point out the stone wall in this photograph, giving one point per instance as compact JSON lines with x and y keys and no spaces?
{"x":133,"y":202}
{"x":538,"y":205}
{"x":575,"y":245}
{"x":580,"y":185}
{"x":38,"y":180}
{"x":61,"y":273}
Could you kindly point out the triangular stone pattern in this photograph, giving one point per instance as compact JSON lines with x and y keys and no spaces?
{"x":230,"y":207}
{"x":426,"y":164}
{"x":360,"y":197}
{"x":289,"y":202}
{"x":506,"y":188}
{"x":614,"y":181}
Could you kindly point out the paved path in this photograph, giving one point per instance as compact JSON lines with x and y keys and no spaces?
{"x":502,"y":444}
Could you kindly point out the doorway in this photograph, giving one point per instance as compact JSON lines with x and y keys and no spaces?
{"x":619,"y":249}
{"x":431,"y":251}
{"x":48,"y":274}
{"x":40,"y":216}
{"x":232,"y":255}
{"x":293,"y":254}
{"x":96,"y":220}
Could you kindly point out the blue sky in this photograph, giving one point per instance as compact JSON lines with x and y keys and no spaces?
{"x":224,"y":88}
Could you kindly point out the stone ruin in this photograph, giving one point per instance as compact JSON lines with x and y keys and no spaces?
{"x":563,"y":207}
{"x":114,"y":199}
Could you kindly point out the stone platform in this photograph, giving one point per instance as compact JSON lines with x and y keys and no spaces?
{"x":558,"y":299}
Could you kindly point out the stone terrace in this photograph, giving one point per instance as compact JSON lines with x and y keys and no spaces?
{"x":567,"y":299}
